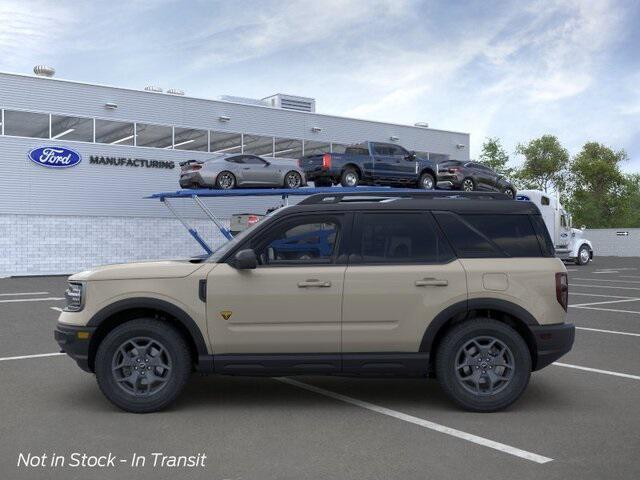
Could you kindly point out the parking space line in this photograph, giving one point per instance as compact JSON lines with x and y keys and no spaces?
{"x":605,"y":302}
{"x":485,"y":442}
{"x":608,"y":331}
{"x":14,"y":300}
{"x":23,"y":357}
{"x":603,"y":286}
{"x":597,"y":370}
{"x":23,"y":293}
{"x":597,"y":295}
{"x":607,"y":280}
{"x":610,"y":310}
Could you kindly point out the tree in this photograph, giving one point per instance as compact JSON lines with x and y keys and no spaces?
{"x":600,"y":194}
{"x":545,"y":164}
{"x":495,"y":157}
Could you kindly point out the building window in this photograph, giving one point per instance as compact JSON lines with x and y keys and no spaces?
{"x":26,"y":124}
{"x":287,"y":148}
{"x":72,"y":128}
{"x":114,"y":133}
{"x":316,"y":148}
{"x":338,"y":148}
{"x":222,"y":142}
{"x":190,"y":139}
{"x":156,"y":136}
{"x":258,"y":145}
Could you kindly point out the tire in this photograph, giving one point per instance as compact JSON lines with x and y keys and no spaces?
{"x":350,"y":177}
{"x":584,"y":255}
{"x":475,"y":396}
{"x":156,"y":336}
{"x":468,"y":185}
{"x":225,"y":180}
{"x":509,"y":192}
{"x":426,"y":182}
{"x":292,"y":180}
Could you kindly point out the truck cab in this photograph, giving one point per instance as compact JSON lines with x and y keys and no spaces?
{"x":570,"y":243}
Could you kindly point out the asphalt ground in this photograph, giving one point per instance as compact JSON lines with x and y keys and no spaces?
{"x":578,"y":419}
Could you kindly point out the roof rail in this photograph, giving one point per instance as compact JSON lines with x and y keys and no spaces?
{"x":378,"y":196}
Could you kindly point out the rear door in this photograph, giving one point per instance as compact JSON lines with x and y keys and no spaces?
{"x":401,"y":274}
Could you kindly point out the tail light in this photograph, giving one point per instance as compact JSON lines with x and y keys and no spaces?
{"x":562,"y":289}
{"x":251,"y":219}
{"x":196,"y":166}
{"x":326,"y":161}
{"x":453,"y":170}
{"x":299,"y":163}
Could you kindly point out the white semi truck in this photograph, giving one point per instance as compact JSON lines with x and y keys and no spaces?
{"x":569,"y":242}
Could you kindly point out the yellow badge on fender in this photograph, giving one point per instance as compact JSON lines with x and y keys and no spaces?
{"x":226,"y":314}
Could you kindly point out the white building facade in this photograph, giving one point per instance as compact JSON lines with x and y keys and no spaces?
{"x":128,"y":145}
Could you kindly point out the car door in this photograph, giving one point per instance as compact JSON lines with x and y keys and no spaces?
{"x":403,"y":166}
{"x":291,"y":303}
{"x":383,"y":161}
{"x":401,"y":274}
{"x":256,"y":171}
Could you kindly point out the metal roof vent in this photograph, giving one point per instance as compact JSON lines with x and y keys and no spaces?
{"x":44,"y":71}
{"x":175,"y":91}
{"x":153,"y":88}
{"x":292,"y":102}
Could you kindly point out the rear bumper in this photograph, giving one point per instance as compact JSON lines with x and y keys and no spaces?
{"x":188,"y":180}
{"x":449,"y":181}
{"x":552,"y":342}
{"x":74,"y":345}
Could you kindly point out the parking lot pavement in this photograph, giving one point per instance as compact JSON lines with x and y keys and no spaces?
{"x":571,"y":422}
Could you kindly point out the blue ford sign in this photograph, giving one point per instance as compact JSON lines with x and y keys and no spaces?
{"x":55,"y":157}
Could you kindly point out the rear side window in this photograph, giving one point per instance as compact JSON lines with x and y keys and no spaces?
{"x":513,"y":234}
{"x":543,"y":235}
{"x":396,"y":238}
{"x":467,"y":240}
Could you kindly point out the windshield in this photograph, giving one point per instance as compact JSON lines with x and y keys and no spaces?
{"x":229,"y":245}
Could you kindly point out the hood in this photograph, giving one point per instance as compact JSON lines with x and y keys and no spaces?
{"x":139,"y":270}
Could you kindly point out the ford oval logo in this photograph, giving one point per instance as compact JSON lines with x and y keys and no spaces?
{"x":55,"y":157}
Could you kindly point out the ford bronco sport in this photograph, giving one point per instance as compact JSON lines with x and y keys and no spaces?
{"x":461,"y":287}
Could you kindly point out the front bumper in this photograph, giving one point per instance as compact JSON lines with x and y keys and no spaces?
{"x":74,"y":340}
{"x":552,"y":342}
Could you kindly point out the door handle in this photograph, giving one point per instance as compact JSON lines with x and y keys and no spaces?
{"x":247,"y":168}
{"x":431,"y":282}
{"x":314,"y":283}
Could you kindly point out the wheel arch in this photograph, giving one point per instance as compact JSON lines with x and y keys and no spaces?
{"x":355,"y":167}
{"x":430,"y":171}
{"x":124,"y":310}
{"x":504,"y":311}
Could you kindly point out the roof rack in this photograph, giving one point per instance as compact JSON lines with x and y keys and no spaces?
{"x":337,"y":196}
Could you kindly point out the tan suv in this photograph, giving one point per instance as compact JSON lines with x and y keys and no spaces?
{"x":461,"y":287}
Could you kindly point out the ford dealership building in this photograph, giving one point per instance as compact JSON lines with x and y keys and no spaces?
{"x":77,"y":160}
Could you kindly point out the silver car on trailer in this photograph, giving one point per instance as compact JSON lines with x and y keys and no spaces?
{"x":227,"y":171}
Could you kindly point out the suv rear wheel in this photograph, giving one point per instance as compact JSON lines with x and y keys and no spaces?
{"x":468,"y":185}
{"x":142,"y":365}
{"x":483,"y":365}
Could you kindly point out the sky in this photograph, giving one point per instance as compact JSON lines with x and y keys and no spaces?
{"x":513,"y":70}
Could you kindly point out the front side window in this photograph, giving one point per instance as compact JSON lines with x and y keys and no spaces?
{"x":26,"y":124}
{"x":237,"y":159}
{"x":304,"y":242}
{"x":253,"y":160}
{"x":399,"y":238}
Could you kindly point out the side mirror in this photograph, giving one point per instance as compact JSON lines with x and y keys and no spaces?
{"x":411,"y":156}
{"x":245,"y":260}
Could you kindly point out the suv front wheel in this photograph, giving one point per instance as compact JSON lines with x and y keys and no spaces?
{"x":142,"y":365}
{"x":483,"y":365}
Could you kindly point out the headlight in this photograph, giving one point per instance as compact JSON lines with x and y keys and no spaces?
{"x":75,"y":297}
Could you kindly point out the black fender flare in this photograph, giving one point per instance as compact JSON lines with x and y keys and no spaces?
{"x":155,"y":304}
{"x":464,"y":307}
